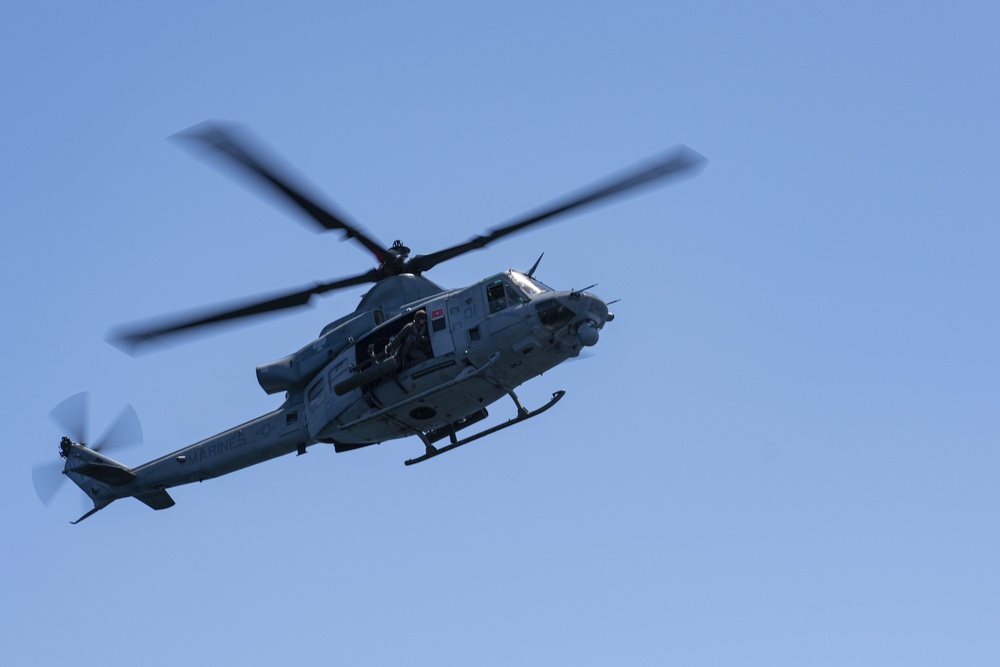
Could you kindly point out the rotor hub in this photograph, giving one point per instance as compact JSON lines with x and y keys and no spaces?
{"x":399,"y":250}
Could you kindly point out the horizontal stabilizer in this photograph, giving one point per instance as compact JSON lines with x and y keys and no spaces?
{"x":158,"y":500}
{"x":108,"y":474}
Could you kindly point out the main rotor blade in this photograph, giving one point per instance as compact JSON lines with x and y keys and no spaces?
{"x":132,"y":340}
{"x":234,"y":143}
{"x":126,"y":431}
{"x":680,"y":161}
{"x":72,"y":415}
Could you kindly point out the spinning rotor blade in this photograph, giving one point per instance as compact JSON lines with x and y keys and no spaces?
{"x":681,"y":161}
{"x":132,"y":340}
{"x":48,"y":480}
{"x":126,"y":431}
{"x":72,"y":417}
{"x":233,"y":142}
{"x":237,"y":148}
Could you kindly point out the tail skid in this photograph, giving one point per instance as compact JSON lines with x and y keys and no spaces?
{"x":85,"y":516}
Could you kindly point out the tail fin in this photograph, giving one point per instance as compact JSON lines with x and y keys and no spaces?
{"x":97,"y":475}
{"x":101,"y":478}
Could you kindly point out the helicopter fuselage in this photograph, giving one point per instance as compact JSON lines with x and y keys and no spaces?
{"x":485,"y":340}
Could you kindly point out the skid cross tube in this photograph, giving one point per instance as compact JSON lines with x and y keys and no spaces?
{"x":522,"y":415}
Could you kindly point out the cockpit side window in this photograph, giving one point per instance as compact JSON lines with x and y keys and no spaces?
{"x":500,"y":294}
{"x":496,"y":296}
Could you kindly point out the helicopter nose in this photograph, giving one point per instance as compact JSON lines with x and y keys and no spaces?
{"x":575,"y":318}
{"x":591,"y":307}
{"x":593,"y":314}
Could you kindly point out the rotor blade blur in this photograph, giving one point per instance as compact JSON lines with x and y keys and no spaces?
{"x":678,"y":162}
{"x":233,"y":142}
{"x":136,"y":340}
{"x":72,"y":416}
{"x":126,"y":431}
{"x":48,"y":479}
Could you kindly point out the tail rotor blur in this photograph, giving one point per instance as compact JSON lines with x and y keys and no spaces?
{"x":72,"y":416}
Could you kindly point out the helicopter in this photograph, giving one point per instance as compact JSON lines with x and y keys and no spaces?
{"x":412,"y":359}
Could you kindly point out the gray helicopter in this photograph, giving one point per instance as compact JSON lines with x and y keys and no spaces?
{"x":413,"y":359}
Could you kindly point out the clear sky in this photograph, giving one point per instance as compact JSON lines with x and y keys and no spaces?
{"x":783,"y":451}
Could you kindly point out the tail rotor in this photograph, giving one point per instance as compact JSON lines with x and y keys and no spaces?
{"x":48,"y":480}
{"x":72,"y":416}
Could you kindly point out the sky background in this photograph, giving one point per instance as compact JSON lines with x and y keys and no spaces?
{"x":783,"y":451}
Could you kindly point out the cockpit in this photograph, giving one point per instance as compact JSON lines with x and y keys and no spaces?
{"x":510,"y":288}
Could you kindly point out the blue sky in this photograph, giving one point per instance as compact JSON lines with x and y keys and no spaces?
{"x":784,"y":450}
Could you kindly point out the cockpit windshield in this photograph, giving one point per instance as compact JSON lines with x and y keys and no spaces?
{"x":527,"y":284}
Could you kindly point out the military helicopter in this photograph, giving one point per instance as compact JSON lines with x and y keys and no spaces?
{"x":413,"y":359}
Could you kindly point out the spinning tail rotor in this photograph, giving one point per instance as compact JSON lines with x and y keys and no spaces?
{"x":72,"y":416}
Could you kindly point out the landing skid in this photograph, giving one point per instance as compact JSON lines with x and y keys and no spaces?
{"x":522,"y":415}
